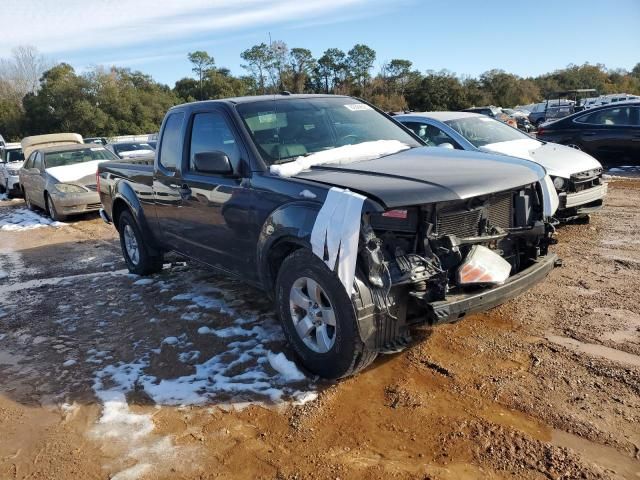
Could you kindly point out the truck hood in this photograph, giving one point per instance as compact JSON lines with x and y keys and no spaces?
{"x":428,"y":175}
{"x":558,"y":160}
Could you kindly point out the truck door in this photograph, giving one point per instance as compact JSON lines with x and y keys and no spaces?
{"x":216,"y":207}
{"x":167,"y":182}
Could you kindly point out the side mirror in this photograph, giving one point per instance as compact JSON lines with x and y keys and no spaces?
{"x":213,"y":162}
{"x":446,"y":145}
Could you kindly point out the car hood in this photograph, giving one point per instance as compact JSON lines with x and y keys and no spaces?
{"x":17,"y":164}
{"x":79,"y":173}
{"x":558,"y":160}
{"x":428,"y":175}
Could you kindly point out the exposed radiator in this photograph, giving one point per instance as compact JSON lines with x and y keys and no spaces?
{"x":466,"y":223}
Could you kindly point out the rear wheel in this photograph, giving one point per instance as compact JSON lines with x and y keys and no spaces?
{"x":318,"y":317}
{"x":51,"y":210}
{"x":136,"y":254}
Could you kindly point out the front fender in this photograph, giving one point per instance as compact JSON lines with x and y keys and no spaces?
{"x":292,"y":223}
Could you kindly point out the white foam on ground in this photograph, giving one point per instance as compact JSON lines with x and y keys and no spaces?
{"x":17,"y":219}
{"x":246,"y":369}
{"x":285,"y":367}
{"x":127,"y":435}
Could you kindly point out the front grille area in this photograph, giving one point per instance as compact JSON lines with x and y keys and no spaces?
{"x":500,"y":211}
{"x":461,"y":224}
{"x":467,"y":223}
{"x":585,"y":180}
{"x":93,"y":187}
{"x":94,"y":205}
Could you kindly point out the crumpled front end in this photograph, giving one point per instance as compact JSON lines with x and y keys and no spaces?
{"x":581,"y":194}
{"x":437,"y":262}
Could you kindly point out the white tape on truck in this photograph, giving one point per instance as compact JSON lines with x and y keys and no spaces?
{"x":336,"y":233}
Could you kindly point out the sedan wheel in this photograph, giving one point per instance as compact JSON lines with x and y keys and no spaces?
{"x":313,"y":316}
{"x":51,"y":210}
{"x":27,"y":201}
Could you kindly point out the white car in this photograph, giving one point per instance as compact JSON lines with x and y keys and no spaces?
{"x":11,"y":160}
{"x":576,"y":175}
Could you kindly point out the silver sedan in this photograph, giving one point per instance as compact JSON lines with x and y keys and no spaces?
{"x":62,"y":179}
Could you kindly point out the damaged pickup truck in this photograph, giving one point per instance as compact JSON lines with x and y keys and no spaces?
{"x":351,"y":224}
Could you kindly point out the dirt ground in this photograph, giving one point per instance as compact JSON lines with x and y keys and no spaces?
{"x":107,"y":375}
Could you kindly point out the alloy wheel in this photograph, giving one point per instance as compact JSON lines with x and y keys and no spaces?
{"x":313,"y":316}
{"x":131,"y":245}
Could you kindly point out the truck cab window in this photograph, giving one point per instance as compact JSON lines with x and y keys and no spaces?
{"x":171,"y":142}
{"x":211,"y":132}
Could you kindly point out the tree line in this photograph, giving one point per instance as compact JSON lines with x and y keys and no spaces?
{"x":38,"y":96}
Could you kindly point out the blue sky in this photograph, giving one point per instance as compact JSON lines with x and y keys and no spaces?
{"x":466,"y":37}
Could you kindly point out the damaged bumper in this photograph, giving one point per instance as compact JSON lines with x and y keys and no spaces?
{"x":72,"y":203}
{"x":457,"y":306}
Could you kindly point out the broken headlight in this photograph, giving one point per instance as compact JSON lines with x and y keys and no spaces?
{"x":560,"y":183}
{"x":482,"y":266}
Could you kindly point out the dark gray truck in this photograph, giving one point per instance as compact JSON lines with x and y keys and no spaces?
{"x":354,"y":227}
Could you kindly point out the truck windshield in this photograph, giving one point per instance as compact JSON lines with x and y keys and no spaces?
{"x":285,"y":129}
{"x":481,"y":131}
{"x":70,"y":157}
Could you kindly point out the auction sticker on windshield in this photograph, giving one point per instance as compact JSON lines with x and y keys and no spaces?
{"x":356,"y":107}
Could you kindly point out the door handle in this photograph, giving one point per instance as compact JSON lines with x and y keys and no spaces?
{"x":589,"y":134}
{"x":185,"y":191}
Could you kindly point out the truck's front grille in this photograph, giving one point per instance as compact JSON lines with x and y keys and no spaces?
{"x":466,"y":223}
{"x":500,"y":211}
{"x":462,"y":224}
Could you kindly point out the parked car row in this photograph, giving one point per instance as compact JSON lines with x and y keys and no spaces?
{"x":576,"y":176}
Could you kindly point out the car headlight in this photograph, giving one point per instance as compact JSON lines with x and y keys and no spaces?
{"x":68,"y":188}
{"x":560,"y":183}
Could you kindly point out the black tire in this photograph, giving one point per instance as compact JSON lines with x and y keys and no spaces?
{"x":51,"y":210}
{"x":2,"y":188}
{"x":146,"y":263}
{"x":348,"y":354}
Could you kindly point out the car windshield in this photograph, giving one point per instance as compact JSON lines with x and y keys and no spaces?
{"x":288,"y":128}
{"x":71,"y":157}
{"x":481,"y":131}
{"x":15,"y":155}
{"x":131,"y":147}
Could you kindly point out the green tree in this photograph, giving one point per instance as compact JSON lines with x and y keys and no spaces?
{"x":302,"y":65}
{"x":332,"y":68}
{"x":203,"y":63}
{"x":437,"y":91}
{"x":360,"y":61}
{"x":258,"y":59}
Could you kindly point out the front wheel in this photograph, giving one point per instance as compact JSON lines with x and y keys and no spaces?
{"x":27,"y":200}
{"x":136,"y":254}
{"x":318,"y":317}
{"x":52,"y":212}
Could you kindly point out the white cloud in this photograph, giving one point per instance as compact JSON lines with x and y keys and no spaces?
{"x":78,"y":25}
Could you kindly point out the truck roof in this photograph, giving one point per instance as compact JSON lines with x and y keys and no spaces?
{"x":262,"y":98}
